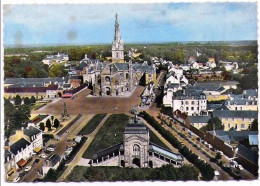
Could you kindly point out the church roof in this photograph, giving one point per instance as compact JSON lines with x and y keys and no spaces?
{"x":109,"y":150}
{"x":167,"y":153}
{"x":136,"y":126}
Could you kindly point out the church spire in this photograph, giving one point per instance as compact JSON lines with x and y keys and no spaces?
{"x":117,"y":45}
{"x":117,"y":32}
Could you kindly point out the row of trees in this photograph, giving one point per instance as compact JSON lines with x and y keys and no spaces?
{"x":50,"y":123}
{"x":26,"y":100}
{"x":15,"y":117}
{"x":206,"y":170}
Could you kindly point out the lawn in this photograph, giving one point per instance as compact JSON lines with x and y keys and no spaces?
{"x":111,"y":133}
{"x":92,"y":124}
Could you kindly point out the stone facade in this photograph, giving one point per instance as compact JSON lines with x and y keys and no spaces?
{"x":136,"y":150}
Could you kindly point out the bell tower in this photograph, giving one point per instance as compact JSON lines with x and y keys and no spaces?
{"x":117,"y":45}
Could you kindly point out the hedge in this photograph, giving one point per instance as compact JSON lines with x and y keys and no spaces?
{"x":206,"y":170}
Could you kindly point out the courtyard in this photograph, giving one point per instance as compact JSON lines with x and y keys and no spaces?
{"x":83,"y":104}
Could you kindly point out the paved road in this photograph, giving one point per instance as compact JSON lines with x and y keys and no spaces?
{"x":61,"y":146}
{"x":78,"y":157}
{"x":93,"y":105}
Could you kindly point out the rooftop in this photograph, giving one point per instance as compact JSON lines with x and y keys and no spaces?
{"x":19,"y":145}
{"x":235,"y":114}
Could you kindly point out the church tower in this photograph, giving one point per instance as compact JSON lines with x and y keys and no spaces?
{"x":117,"y":45}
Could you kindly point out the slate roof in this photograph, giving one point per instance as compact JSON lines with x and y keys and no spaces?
{"x":165,"y":152}
{"x":213,"y":106}
{"x":253,"y":139}
{"x":109,"y":150}
{"x":248,"y":154}
{"x":8,"y":155}
{"x":199,"y":119}
{"x":188,"y":94}
{"x":235,"y":114}
{"x":19,"y":145}
{"x":54,"y":159}
{"x":34,"y":80}
{"x":31,"y":131}
{"x":234,"y":135}
{"x":251,"y":93}
{"x":136,"y":129}
{"x":120,"y":66}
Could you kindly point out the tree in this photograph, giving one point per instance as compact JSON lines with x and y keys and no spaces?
{"x":57,"y":70}
{"x":213,"y":122}
{"x":42,"y":127}
{"x":33,"y":99}
{"x":17,"y":100}
{"x":48,"y":124}
{"x":218,"y":156}
{"x":27,"y":101}
{"x":254,"y":125}
{"x":56,"y":123}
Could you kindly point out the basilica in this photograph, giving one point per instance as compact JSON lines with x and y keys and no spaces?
{"x":117,"y":77}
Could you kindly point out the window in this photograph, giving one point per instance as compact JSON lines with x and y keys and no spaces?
{"x":229,"y":126}
{"x":136,"y":150}
{"x":192,"y":108}
{"x":192,"y":102}
{"x":243,"y":126}
{"x":186,"y":102}
{"x":226,"y":119}
{"x":182,"y":102}
{"x":233,"y":119}
{"x":187,"y":108}
{"x":236,"y":126}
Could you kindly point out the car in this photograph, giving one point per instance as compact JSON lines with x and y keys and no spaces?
{"x":36,"y":161}
{"x":69,"y":149}
{"x":43,"y":156}
{"x":51,"y":149}
{"x":21,"y":174}
{"x":16,"y":179}
{"x":27,"y":168}
{"x":33,"y":153}
{"x":216,"y":173}
{"x":239,"y":167}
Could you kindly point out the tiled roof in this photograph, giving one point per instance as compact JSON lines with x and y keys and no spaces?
{"x":235,"y":114}
{"x":19,"y":145}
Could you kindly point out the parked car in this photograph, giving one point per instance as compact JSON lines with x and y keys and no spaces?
{"x":43,"y":156}
{"x":21,"y":174}
{"x":69,"y":149}
{"x":36,"y":161}
{"x":16,"y":179}
{"x":216,"y":173}
{"x":239,"y":167}
{"x":27,"y":168}
{"x":51,"y":149}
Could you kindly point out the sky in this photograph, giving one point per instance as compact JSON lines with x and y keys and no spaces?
{"x":143,"y":23}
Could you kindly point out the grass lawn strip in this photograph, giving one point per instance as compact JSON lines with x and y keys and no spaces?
{"x":92,"y":124}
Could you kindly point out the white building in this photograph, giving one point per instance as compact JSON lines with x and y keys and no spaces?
{"x":190,"y":102}
{"x":51,"y":163}
{"x":51,"y":59}
{"x":167,"y":99}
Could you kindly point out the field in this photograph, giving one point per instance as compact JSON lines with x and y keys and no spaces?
{"x":92,"y":124}
{"x":112,"y":133}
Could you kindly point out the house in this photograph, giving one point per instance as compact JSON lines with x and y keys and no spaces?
{"x":192,"y":102}
{"x":199,"y":121}
{"x":167,"y":99}
{"x":22,"y":150}
{"x":229,"y":65}
{"x":52,"y":59}
{"x":75,"y":81}
{"x":9,"y":163}
{"x":246,"y":101}
{"x":181,"y":117}
{"x":35,"y":136}
{"x":51,"y":163}
{"x":238,"y":119}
